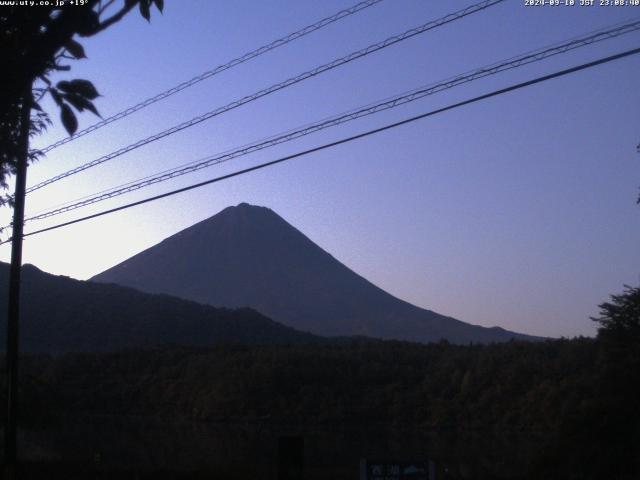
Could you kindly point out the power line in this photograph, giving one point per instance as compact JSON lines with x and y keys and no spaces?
{"x":494,"y":93}
{"x":276,"y":87}
{"x":603,"y":33}
{"x":219,"y":69}
{"x":514,"y":62}
{"x":594,"y":36}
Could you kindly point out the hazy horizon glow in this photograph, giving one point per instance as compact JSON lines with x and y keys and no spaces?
{"x":518,"y":211}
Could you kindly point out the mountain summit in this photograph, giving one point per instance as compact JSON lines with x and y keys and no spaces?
{"x":249,"y":256}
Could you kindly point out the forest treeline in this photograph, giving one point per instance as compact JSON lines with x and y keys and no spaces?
{"x":571,"y":405}
{"x":516,"y":385}
{"x":579,"y":395}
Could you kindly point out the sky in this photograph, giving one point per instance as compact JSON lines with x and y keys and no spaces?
{"x":518,"y":211}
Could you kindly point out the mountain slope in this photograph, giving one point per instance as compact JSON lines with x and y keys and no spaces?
{"x":250,"y":256}
{"x":59,"y":314}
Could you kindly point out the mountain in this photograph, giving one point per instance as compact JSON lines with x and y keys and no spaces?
{"x":59,"y":314}
{"x":248,"y":256}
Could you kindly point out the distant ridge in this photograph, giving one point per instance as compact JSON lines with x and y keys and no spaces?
{"x":248,"y":256}
{"x":59,"y":314}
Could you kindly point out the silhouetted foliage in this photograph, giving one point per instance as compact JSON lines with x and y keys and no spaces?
{"x":37,"y":41}
{"x":620,"y":318}
{"x":575,"y":398}
{"x":550,"y":391}
{"x":615,"y":416}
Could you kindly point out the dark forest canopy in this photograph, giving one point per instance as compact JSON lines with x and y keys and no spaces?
{"x":559,"y":392}
{"x":619,"y":318}
{"x":571,"y":403}
{"x":578,"y":397}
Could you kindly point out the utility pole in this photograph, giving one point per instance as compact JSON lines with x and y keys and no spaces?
{"x":13,"y":317}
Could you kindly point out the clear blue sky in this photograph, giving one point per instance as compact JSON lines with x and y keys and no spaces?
{"x":518,"y":211}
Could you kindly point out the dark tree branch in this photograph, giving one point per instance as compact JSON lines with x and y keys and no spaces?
{"x":114,"y":18}
{"x":103,"y":8}
{"x":32,"y":43}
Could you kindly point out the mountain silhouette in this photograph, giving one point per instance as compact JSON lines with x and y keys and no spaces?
{"x":248,"y":256}
{"x":60,"y":314}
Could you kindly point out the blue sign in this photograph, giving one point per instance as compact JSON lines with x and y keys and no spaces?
{"x":392,"y":470}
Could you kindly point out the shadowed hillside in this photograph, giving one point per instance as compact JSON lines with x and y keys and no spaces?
{"x":60,"y":314}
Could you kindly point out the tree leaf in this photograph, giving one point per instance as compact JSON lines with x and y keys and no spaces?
{"x":144,"y":9}
{"x":76,"y":101}
{"x":69,"y":119}
{"x":159,"y":4}
{"x":92,"y":108}
{"x":80,"y":87}
{"x":64,"y":85}
{"x":89,"y":24}
{"x":75,"y":49}
{"x":56,"y":96}
{"x":80,"y":103}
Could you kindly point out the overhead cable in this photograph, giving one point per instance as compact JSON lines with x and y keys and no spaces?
{"x":368,"y":133}
{"x":216,"y":70}
{"x":274,"y":88}
{"x":514,"y":62}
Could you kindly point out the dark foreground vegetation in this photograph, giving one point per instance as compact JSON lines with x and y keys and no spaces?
{"x":513,"y":385}
{"x":577,"y":399}
{"x":553,"y":409}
